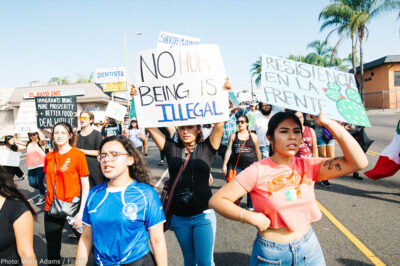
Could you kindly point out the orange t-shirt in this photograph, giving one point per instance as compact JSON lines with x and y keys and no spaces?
{"x":71,"y":166}
{"x":284,"y":193}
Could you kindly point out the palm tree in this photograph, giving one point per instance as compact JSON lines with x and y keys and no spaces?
{"x":338,"y":15}
{"x":256,"y":71}
{"x":349,"y":60}
{"x":320,"y":54}
{"x":356,"y":14}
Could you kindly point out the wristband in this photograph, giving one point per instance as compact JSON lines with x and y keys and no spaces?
{"x":241,"y":216}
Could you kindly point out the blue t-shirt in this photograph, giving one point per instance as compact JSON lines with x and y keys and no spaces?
{"x":120,"y":218}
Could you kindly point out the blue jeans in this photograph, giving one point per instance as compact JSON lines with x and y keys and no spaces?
{"x":264,"y":151}
{"x":36,"y":178}
{"x":196,"y":236}
{"x":305,"y":251}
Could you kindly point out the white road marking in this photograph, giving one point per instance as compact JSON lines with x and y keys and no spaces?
{"x":34,"y":197}
{"x":162,"y":177}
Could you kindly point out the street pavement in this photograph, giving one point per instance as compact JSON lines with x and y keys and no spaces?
{"x":368,"y":209}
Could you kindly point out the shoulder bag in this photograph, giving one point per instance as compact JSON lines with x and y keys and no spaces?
{"x":168,"y":193}
{"x":232,"y":172}
{"x":59,"y":208}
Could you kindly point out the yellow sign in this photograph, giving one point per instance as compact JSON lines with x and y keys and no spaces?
{"x":114,"y":86}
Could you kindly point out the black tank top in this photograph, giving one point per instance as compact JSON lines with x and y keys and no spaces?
{"x":248,"y":155}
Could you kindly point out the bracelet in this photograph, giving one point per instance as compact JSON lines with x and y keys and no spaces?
{"x":241,"y":216}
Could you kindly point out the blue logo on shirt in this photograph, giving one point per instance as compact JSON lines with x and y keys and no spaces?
{"x":130,"y":210}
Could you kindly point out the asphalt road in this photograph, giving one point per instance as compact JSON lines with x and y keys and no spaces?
{"x":368,"y":209}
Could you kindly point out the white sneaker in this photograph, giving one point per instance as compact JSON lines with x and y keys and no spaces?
{"x":40,"y":201}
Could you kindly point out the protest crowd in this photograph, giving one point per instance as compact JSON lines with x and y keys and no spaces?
{"x":95,"y":178}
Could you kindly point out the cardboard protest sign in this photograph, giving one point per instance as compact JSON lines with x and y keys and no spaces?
{"x":114,"y":86}
{"x":245,"y":97}
{"x":26,"y":118}
{"x":108,"y":75}
{"x":116,"y":111}
{"x":9,"y":158}
{"x":51,"y":110}
{"x":167,"y":40}
{"x":180,"y":86}
{"x":311,"y":89}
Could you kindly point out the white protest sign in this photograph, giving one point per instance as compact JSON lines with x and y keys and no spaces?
{"x":180,"y":86}
{"x":26,"y":118}
{"x":108,"y":75}
{"x":311,"y":89}
{"x":9,"y":158}
{"x":244,"y":97}
{"x":116,"y":111}
{"x":167,"y":40}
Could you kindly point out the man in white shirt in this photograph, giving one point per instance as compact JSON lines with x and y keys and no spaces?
{"x":260,"y":127}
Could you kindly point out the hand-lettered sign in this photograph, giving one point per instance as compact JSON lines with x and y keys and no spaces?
{"x":9,"y":158}
{"x":116,"y":111}
{"x":26,"y":118}
{"x":167,"y":40}
{"x":180,"y":86}
{"x":51,"y":110}
{"x":312,"y":89}
{"x":107,"y":75}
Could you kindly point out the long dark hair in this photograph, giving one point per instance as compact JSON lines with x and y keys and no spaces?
{"x":274,"y":122}
{"x":130,"y":124}
{"x":199,"y":137}
{"x":14,"y":146}
{"x":69,"y":129}
{"x":138,"y":169}
{"x":9,"y":190}
{"x":30,"y":140}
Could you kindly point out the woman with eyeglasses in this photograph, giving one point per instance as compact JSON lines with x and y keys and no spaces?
{"x":88,"y":141}
{"x":282,"y":190}
{"x":67,"y":180}
{"x":35,"y":161}
{"x":123,"y":212}
{"x":243,"y":150}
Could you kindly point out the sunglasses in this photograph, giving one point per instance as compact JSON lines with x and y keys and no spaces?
{"x":84,"y":118}
{"x":31,"y":134}
{"x":207,"y":126}
{"x":241,"y":122}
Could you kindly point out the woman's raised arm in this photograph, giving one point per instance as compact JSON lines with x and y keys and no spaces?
{"x":353,"y":158}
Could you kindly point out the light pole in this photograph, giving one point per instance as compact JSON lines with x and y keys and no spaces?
{"x":126,"y":58}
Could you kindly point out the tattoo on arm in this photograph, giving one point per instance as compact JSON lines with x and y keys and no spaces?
{"x":333,"y":163}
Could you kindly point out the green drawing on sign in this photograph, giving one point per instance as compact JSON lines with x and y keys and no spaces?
{"x":350,"y":108}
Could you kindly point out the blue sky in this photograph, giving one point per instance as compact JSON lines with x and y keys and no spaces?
{"x":44,"y":39}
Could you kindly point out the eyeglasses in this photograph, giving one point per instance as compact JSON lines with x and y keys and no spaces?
{"x":241,"y":122}
{"x":84,"y":118}
{"x":112,"y":156}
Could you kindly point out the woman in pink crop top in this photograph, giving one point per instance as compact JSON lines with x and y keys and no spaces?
{"x":282,"y":191}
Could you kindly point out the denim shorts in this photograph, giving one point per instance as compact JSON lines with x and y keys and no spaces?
{"x":322,"y":141}
{"x":305,"y":251}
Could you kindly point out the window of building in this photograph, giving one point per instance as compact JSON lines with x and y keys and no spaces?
{"x":397,"y":78}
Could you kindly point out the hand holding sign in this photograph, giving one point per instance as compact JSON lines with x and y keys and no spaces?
{"x":310,"y":89}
